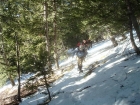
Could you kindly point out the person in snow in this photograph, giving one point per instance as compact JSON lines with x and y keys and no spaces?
{"x":81,"y":53}
{"x":84,"y":43}
{"x":89,"y":43}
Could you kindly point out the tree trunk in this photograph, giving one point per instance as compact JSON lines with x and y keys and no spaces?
{"x":47,"y":36}
{"x":132,"y":38}
{"x":46,"y":25}
{"x":18,"y":66}
{"x":55,"y":35}
{"x":56,"y":60}
{"x":57,"y":63}
{"x":11,"y":80}
{"x":46,"y":84}
{"x":113,"y":40}
{"x":47,"y":44}
{"x":133,"y":18}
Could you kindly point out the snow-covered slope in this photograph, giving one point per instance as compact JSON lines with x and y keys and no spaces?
{"x":114,"y":80}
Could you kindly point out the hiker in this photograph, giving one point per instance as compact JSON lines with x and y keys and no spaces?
{"x":78,"y":44}
{"x":85,"y":44}
{"x":81,"y":53}
{"x":89,"y":43}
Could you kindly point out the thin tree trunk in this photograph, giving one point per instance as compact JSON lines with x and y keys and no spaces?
{"x":112,"y":38}
{"x":132,"y":38}
{"x":56,"y":60}
{"x":133,"y":18}
{"x":47,"y":44}
{"x":55,"y":35}
{"x":46,"y":84}
{"x":47,"y":36}
{"x":18,"y":66}
{"x":46,"y":25}
{"x":11,"y":80}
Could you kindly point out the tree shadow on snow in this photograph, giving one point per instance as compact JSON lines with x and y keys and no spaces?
{"x":116,"y":82}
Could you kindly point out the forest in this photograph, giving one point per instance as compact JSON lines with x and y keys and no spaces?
{"x":36,"y":34}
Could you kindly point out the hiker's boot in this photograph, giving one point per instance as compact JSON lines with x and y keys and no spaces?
{"x":80,"y":69}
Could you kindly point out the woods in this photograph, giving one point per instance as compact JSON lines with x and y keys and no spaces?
{"x":35,"y":34}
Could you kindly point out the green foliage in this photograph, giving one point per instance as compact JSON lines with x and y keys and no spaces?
{"x":74,"y":20}
{"x":34,"y":56}
{"x":3,"y":76}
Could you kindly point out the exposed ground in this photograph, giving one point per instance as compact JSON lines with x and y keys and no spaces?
{"x":29,"y":87}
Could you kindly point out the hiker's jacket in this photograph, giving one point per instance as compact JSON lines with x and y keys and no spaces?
{"x":80,"y":53}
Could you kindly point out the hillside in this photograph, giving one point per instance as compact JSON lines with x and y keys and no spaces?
{"x":111,"y":77}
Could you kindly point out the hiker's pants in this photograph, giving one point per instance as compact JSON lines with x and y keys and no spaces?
{"x":80,"y":61}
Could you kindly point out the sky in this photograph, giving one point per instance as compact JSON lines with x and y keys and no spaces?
{"x":115,"y":80}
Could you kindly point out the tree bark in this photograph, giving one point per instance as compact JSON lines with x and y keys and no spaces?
{"x":18,"y":66}
{"x":47,"y":45}
{"x":11,"y":80}
{"x":132,"y":38}
{"x":56,"y":60}
{"x":46,"y":83}
{"x":112,"y":38}
{"x":133,"y":18}
{"x":47,"y":36}
{"x":55,"y":35}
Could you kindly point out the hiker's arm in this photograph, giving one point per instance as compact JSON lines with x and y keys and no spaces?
{"x":75,"y":51}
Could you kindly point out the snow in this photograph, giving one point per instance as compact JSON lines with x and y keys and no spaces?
{"x":114,"y":82}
